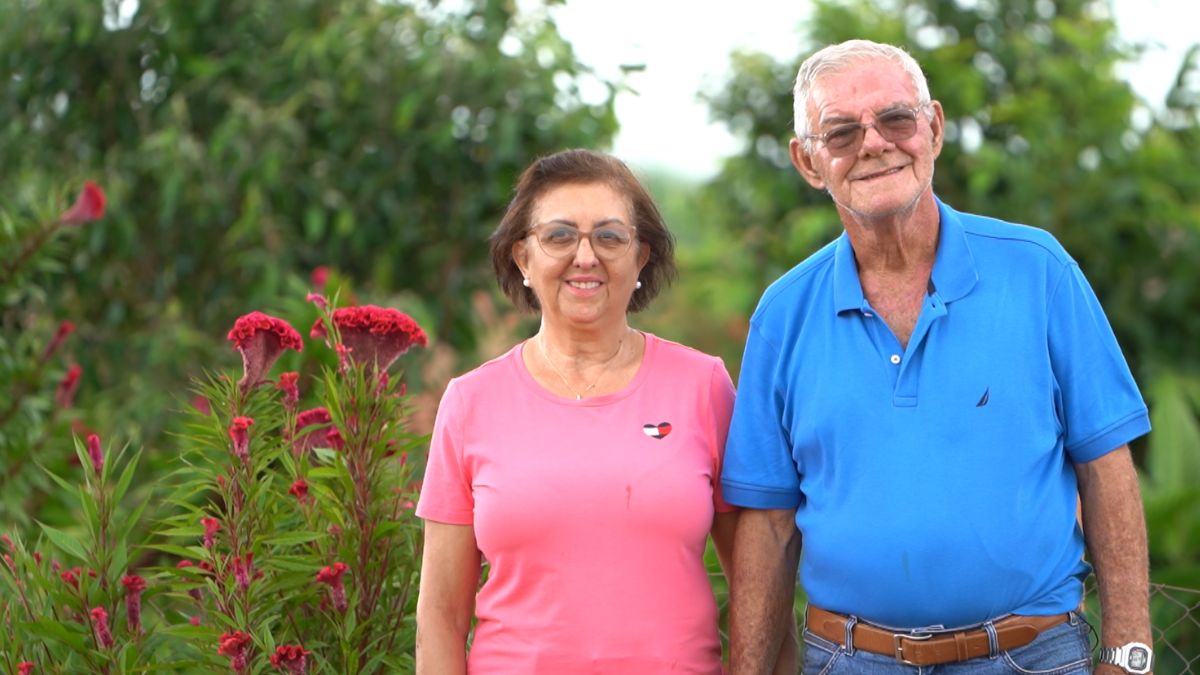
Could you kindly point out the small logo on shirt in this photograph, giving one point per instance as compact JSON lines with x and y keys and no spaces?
{"x":658,"y":431}
{"x":983,"y":400}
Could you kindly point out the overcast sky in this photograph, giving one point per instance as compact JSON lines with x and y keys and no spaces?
{"x":665,"y":125}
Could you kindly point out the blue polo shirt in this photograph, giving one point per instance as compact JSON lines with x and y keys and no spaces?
{"x":933,"y":485}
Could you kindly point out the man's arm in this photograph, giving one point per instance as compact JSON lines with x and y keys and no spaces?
{"x":766,"y":551}
{"x":1114,"y":529}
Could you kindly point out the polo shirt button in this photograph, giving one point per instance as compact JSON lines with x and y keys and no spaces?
{"x":895,"y":359}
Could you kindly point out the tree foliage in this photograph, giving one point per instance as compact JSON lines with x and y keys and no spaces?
{"x":244,"y":143}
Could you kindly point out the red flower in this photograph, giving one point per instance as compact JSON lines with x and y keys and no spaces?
{"x":88,"y":206}
{"x":292,"y":658}
{"x":8,"y":543}
{"x":243,"y":570}
{"x":211,"y":526}
{"x":287,"y":384}
{"x":95,"y":453}
{"x":241,"y":439}
{"x":100,"y":623}
{"x":261,"y":339}
{"x":134,"y":585}
{"x":195,"y":620}
{"x":24,"y":668}
{"x":64,"y":395}
{"x":320,"y":277}
{"x":377,"y":335}
{"x":318,"y":300}
{"x":332,"y":576}
{"x":299,"y":490}
{"x":234,"y":646}
{"x":201,"y":405}
{"x":71,"y":576}
{"x":317,"y":332}
{"x":64,"y":329}
{"x":312,"y":438}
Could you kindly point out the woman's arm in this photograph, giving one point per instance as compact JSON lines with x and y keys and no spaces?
{"x":446,"y":604}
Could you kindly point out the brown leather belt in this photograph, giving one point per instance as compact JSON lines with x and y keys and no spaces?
{"x":929,"y":648}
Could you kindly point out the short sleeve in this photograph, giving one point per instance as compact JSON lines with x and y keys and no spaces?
{"x":759,"y":471}
{"x":720,"y":396}
{"x":1099,"y":404}
{"x":446,"y":495}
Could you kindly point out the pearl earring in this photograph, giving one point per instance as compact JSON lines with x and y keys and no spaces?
{"x":525,"y":282}
{"x":637,"y":285}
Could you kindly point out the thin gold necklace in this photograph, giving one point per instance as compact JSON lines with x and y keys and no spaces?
{"x":603,"y":368}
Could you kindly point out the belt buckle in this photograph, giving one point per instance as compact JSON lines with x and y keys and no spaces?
{"x":898,"y":639}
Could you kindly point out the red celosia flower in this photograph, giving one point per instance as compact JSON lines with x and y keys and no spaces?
{"x":332,"y":575}
{"x":134,"y":585}
{"x":71,"y":576}
{"x":261,"y":338}
{"x":201,"y":405}
{"x":195,"y":620}
{"x":88,"y":206}
{"x":95,"y":453}
{"x":317,"y":299}
{"x":8,"y":543}
{"x":211,"y":526}
{"x":100,"y":623}
{"x":243,"y":570}
{"x":317,"y":331}
{"x":299,"y":490}
{"x":377,"y":335}
{"x":333,"y":437}
{"x":292,"y":658}
{"x":64,"y":395}
{"x":287,"y":384}
{"x":234,"y":646}
{"x":312,"y":438}
{"x":320,"y":277}
{"x":241,"y":440}
{"x":64,"y":329}
{"x":24,"y":668}
{"x":9,"y":562}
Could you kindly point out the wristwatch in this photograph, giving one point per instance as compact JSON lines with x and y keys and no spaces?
{"x":1132,"y":657}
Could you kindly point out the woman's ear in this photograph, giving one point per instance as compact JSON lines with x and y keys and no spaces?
{"x":520,"y":255}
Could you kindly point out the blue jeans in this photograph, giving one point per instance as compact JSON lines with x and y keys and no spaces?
{"x":1061,"y":650}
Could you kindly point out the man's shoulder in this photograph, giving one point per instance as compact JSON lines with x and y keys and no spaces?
{"x":797,"y":284}
{"x":985,"y":232}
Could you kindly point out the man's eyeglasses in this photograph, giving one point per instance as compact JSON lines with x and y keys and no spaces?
{"x":899,"y":124}
{"x":609,"y":242}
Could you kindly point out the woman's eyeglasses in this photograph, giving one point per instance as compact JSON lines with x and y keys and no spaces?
{"x":899,"y":124}
{"x":560,"y":241}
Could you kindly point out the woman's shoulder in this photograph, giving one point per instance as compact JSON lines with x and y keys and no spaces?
{"x":494,"y":372}
{"x":678,"y":355}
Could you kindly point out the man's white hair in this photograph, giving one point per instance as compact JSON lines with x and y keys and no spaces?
{"x":836,"y":57}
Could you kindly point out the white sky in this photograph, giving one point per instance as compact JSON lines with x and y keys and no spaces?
{"x":686,"y":47}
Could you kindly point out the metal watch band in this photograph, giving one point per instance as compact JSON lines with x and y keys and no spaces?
{"x":1142,"y":657}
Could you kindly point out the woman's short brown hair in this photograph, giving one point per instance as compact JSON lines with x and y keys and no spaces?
{"x":582,"y":167}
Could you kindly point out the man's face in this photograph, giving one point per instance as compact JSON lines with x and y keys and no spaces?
{"x":877,"y":178}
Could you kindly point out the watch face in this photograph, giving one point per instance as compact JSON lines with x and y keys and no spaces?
{"x":1138,"y":658}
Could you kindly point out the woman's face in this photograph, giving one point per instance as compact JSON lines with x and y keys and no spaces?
{"x":582,"y":256}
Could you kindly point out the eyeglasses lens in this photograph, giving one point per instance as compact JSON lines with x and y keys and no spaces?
{"x":560,"y":241}
{"x":894,"y":126}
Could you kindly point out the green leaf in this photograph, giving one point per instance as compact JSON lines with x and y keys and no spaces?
{"x":65,"y":542}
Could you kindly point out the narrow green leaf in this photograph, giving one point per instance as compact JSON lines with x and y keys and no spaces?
{"x":65,"y":542}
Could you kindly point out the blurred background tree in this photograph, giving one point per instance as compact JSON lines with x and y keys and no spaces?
{"x":244,"y":144}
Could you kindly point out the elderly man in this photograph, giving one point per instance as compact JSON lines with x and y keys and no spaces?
{"x":921,"y":403}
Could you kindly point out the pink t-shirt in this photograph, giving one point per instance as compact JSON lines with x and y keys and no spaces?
{"x":592,"y":515}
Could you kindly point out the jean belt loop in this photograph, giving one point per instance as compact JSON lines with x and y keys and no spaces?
{"x":993,"y":640}
{"x":851,"y":621}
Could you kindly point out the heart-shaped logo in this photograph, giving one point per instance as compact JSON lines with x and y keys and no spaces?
{"x":658,"y":431}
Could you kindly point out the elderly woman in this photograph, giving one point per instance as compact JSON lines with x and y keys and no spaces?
{"x":582,"y":465}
